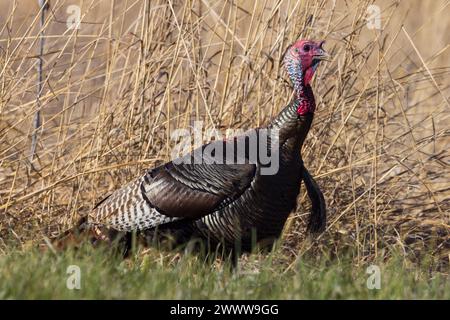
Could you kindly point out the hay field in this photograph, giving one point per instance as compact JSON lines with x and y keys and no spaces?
{"x":114,"y":90}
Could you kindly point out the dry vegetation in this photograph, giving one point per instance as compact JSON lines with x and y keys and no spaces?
{"x":136,"y":70}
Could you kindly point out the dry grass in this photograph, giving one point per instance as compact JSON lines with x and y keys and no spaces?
{"x":136,"y":70}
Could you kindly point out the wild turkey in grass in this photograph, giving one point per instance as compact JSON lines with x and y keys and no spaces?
{"x":225,"y":202}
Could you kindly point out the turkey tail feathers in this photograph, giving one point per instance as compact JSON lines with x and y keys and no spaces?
{"x":83,"y":232}
{"x":71,"y":237}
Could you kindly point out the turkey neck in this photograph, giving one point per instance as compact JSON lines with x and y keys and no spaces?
{"x":293,"y":127}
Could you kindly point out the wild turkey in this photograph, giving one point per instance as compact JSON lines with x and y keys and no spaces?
{"x":225,"y":203}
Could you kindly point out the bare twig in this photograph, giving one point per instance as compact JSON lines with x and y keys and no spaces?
{"x":43,"y":5}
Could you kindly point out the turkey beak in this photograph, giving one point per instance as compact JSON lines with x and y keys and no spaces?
{"x":320,"y":54}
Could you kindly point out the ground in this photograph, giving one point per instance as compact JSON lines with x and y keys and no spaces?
{"x":152,"y":274}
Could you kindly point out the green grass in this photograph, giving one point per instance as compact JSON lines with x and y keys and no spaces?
{"x":32,"y":274}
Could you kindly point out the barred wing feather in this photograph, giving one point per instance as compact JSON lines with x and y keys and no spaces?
{"x":173,"y":192}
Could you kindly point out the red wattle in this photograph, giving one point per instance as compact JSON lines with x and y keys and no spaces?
{"x":303,"y":108}
{"x":307,"y":103}
{"x":308,"y":75}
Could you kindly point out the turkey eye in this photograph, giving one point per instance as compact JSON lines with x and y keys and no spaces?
{"x":306,"y":47}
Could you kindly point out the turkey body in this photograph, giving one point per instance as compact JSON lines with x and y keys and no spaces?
{"x":222,"y":203}
{"x":254,"y":216}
